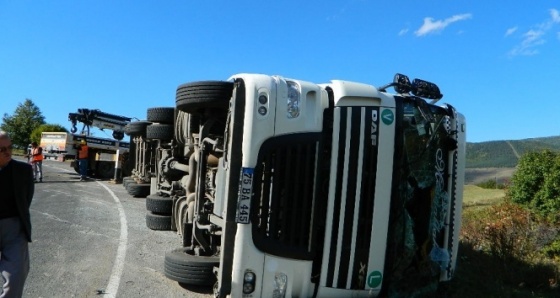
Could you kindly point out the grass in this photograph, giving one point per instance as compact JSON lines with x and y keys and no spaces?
{"x":478,"y":196}
{"x":18,"y":152}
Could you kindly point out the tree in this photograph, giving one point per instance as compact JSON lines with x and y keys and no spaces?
{"x":547,"y":199}
{"x":536,"y":181}
{"x":25,"y":119}
{"x":36,"y":133}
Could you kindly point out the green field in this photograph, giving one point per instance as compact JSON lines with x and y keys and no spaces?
{"x":478,"y":196}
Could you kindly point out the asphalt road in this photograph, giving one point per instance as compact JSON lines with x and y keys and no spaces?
{"x":90,"y":240}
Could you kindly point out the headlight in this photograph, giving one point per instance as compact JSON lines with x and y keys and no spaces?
{"x":249,"y":277}
{"x":262,"y":103}
{"x":263,"y":99}
{"x":294,"y":99}
{"x":248,"y":288}
{"x":249,"y":282}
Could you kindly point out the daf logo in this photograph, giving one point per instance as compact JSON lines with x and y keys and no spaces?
{"x":374,"y":128}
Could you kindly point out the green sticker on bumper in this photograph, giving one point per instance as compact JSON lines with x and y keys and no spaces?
{"x":375,"y":278}
{"x":387,"y":117}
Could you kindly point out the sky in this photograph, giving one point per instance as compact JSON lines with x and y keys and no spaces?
{"x":497,"y":62}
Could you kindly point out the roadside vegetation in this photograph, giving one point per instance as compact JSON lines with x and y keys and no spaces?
{"x":510,"y":236}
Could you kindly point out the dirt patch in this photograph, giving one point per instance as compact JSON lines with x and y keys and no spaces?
{"x":478,"y":175}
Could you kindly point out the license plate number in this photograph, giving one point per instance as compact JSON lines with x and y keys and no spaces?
{"x":244,"y":197}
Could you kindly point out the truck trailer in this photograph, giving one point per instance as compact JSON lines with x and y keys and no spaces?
{"x":285,"y":188}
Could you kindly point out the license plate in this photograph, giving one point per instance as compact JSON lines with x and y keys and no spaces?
{"x":244,"y":196}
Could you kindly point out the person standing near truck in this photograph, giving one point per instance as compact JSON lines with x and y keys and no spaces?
{"x":37,"y":161}
{"x":83,"y":159}
{"x":28,"y":153}
{"x":16,"y":183}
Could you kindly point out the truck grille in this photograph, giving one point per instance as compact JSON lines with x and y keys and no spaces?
{"x":352,"y":189}
{"x":283,"y":201}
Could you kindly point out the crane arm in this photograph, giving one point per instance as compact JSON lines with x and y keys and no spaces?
{"x":99,"y":119}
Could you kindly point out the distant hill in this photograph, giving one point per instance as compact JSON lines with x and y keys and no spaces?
{"x":505,"y":154}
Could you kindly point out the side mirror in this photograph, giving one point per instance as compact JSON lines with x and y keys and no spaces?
{"x":425,"y":89}
{"x":402,"y":84}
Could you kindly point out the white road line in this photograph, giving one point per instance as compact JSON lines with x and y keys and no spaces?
{"x":115,"y":279}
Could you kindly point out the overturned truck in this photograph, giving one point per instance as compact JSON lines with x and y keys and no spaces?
{"x":286,"y":188}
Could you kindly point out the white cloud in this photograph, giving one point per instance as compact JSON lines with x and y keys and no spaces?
{"x":432,"y":26}
{"x":532,"y":37}
{"x":531,"y":40}
{"x":535,"y":36}
{"x":555,"y":14}
{"x":510,"y":31}
{"x":403,"y":32}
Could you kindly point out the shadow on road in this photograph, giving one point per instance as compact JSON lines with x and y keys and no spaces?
{"x":197,"y":289}
{"x":69,"y":178}
{"x":65,"y":181}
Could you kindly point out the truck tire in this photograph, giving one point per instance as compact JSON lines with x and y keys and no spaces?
{"x":161,"y":115}
{"x":136,"y":128}
{"x":159,"y":204}
{"x":76,"y":165}
{"x":158,"y":222}
{"x":105,"y":169}
{"x":127,"y":180}
{"x":127,"y":165}
{"x":138,"y":190}
{"x":118,"y":135}
{"x":187,"y":269}
{"x":194,"y":97}
{"x":160,"y":132}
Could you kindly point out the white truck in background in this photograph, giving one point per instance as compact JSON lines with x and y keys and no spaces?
{"x":286,"y":188}
{"x":57,"y":146}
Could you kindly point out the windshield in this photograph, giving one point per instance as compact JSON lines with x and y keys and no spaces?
{"x":419,"y":206}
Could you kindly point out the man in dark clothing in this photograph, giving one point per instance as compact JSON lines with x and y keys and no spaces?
{"x":17,"y":188}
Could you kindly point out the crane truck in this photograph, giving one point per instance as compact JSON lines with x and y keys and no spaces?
{"x":105,"y":155}
{"x":285,"y":188}
{"x":103,"y":152}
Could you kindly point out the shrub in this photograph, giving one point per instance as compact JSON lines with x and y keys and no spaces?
{"x":513,"y":246}
{"x":506,"y":230}
{"x":552,"y":250}
{"x":491,"y":184}
{"x":536,"y":182}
